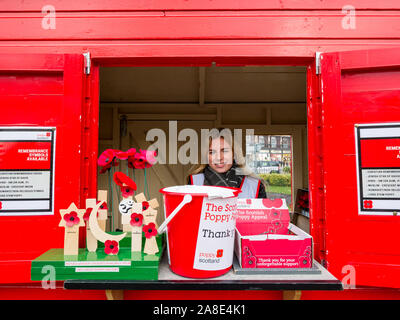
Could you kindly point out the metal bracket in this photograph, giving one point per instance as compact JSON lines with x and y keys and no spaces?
{"x":318,"y":62}
{"x":86,"y":67}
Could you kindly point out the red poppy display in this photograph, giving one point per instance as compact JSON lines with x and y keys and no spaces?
{"x":111,"y":247}
{"x":150,"y":230}
{"x":136,"y":219}
{"x":71,"y":219}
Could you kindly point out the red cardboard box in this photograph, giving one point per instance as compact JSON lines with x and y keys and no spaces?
{"x":266,"y":239}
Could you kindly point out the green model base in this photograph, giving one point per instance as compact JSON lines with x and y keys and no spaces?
{"x":126,"y":265}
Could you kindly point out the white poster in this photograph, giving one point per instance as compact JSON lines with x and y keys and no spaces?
{"x":26,"y":171}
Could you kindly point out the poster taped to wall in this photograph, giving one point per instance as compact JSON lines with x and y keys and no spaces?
{"x":378,"y":168}
{"x":27,"y":171}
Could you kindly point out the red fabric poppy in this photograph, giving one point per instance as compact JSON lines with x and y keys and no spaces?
{"x":136,"y":219}
{"x":106,"y":160}
{"x":131,"y":157}
{"x":127,"y":191}
{"x":150,"y":157}
{"x":126,"y":184}
{"x":111,"y":247}
{"x":145,"y":205}
{"x":150,"y":230}
{"x":71,"y":219}
{"x":274,"y":214}
{"x":277,"y":224}
{"x":368,"y":204}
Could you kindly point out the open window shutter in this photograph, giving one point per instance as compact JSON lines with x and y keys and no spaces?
{"x":358,"y":89}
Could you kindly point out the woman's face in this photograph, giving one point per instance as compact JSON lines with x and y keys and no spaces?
{"x":220,"y":155}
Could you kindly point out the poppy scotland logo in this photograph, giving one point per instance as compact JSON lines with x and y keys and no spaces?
{"x":136,"y":219}
{"x":1,"y":205}
{"x":367,"y":204}
{"x":111,"y":247}
{"x":71,"y":219}
{"x":248,"y":201}
{"x":150,"y":230}
{"x":220,"y":253}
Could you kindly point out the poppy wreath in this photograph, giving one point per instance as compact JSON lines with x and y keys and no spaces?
{"x":71,"y":219}
{"x":111,"y":247}
{"x":136,"y":219}
{"x":150,"y":230}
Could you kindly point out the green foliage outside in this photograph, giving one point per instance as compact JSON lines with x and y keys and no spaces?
{"x":275,"y":179}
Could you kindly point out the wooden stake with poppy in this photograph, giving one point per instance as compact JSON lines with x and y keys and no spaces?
{"x":91,"y":241}
{"x":71,"y":220}
{"x":103,"y":211}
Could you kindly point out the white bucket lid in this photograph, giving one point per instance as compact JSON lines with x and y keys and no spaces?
{"x":211,"y":192}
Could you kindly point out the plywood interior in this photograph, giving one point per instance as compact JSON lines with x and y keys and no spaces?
{"x":268,"y":99}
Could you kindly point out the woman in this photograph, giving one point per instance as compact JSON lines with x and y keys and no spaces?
{"x":226,"y":167}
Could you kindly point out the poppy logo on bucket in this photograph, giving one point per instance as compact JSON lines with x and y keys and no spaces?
{"x":220,"y":253}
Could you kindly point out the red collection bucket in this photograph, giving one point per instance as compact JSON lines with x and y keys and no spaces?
{"x":200,"y":224}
